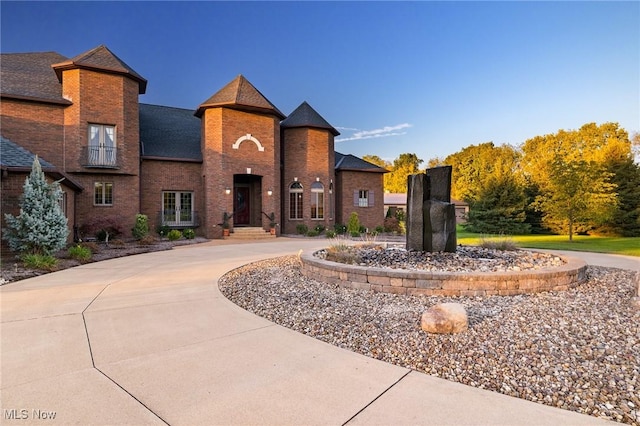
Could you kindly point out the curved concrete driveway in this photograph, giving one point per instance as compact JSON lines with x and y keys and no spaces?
{"x":149,"y":339}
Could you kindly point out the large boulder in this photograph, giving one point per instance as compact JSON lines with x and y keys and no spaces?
{"x":445,"y":318}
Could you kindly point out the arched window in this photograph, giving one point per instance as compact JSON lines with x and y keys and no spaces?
{"x":317,"y":201}
{"x":295,"y":201}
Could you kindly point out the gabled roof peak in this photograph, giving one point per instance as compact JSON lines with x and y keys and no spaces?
{"x":306,"y":116}
{"x":240,"y":94}
{"x":101,"y":59}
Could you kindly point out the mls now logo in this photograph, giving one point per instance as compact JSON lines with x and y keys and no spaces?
{"x":24,"y":414}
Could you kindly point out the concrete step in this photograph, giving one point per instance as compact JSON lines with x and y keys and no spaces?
{"x":250,"y":233}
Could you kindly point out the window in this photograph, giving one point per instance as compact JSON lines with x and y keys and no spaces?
{"x":177,"y":208}
{"x":103,"y":194}
{"x":102,"y":145}
{"x":62,"y":202}
{"x":317,"y":201}
{"x":295,"y":201}
{"x":363,"y":198}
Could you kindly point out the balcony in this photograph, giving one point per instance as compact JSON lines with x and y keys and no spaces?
{"x":100,"y":157}
{"x":179,"y":218}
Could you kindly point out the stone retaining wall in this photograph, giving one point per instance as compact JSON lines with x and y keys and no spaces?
{"x":400,"y":281}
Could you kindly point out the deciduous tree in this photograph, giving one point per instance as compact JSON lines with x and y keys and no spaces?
{"x":577,"y":192}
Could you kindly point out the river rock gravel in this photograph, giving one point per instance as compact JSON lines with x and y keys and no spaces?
{"x":464,"y":259}
{"x":578,"y":350}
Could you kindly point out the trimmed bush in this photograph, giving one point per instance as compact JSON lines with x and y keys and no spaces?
{"x":353,"y":227}
{"x":163,"y":230}
{"x":189,"y":234}
{"x":330,"y":234}
{"x":141,"y":228}
{"x":340,"y":228}
{"x":302,"y":229}
{"x":312,"y":233}
{"x":174,"y":235}
{"x":392,"y":224}
{"x":319,"y":229}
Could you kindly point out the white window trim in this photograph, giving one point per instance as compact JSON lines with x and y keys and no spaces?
{"x":104,"y":192}
{"x":317,"y":192}
{"x":178,"y":209}
{"x":105,"y":152}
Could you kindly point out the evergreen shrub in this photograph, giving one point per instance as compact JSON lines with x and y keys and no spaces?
{"x":41,"y":226}
{"x":174,"y":235}
{"x":141,"y":228}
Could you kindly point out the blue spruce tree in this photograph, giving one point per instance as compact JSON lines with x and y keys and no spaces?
{"x":41,"y":227}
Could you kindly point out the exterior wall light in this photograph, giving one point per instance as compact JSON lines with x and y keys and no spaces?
{"x":269,"y":193}
{"x":227,"y":191}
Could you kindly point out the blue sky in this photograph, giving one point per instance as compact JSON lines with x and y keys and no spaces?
{"x":423,"y":77}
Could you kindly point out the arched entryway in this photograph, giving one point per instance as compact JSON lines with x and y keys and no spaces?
{"x":247,"y":200}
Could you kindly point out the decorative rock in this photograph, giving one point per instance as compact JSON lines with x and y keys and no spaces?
{"x":439,"y":226}
{"x":416,"y":196}
{"x":635,"y":301}
{"x":431,"y":218}
{"x":445,"y":318}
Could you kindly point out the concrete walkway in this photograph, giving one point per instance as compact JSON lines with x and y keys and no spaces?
{"x":149,"y":339}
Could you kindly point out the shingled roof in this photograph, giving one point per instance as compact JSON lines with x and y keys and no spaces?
{"x":306,"y":116}
{"x":29,"y":76}
{"x":352,"y":163}
{"x":14,"y":155}
{"x":242,"y":95}
{"x":171,"y":133}
{"x":16,"y":158}
{"x":101,"y":59}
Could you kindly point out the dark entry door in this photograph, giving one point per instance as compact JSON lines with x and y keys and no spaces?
{"x":241,"y":206}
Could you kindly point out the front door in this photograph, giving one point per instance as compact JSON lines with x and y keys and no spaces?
{"x":241,"y":206}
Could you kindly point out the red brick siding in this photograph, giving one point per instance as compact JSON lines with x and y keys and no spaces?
{"x":103,"y":99}
{"x":159,"y":176}
{"x":221,"y":129}
{"x":350,"y":181}
{"x":36,"y":127}
{"x":308,"y":155}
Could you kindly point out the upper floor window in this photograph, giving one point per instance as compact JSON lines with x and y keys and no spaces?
{"x":317,"y":201}
{"x":103,"y":194}
{"x":363,"y":198}
{"x":295,"y":201}
{"x":102,"y":146}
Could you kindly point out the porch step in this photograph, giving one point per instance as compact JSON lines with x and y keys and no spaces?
{"x":250,"y":233}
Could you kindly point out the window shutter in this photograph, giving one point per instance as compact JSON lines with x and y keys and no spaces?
{"x":356,"y":197}
{"x":370,"y":198}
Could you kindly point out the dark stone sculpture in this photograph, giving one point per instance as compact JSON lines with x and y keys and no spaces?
{"x":431,"y":218}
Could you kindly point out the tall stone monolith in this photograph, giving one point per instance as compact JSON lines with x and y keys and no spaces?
{"x":416,"y":194}
{"x":431,"y":218}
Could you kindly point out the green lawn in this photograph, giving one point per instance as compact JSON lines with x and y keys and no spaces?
{"x":616,"y":245}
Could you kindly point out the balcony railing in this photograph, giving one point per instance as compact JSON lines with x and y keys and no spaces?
{"x":100,"y":157}
{"x":179,"y":218}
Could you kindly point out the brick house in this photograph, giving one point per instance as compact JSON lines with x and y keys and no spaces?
{"x":236,"y":157}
